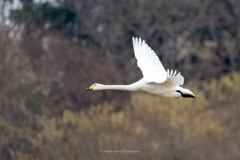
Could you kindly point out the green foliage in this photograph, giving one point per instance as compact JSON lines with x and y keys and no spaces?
{"x":14,"y":141}
{"x":156,"y":126}
{"x":81,"y":120}
{"x":150,"y":124}
{"x":42,"y":14}
{"x":227,"y":88}
{"x":229,"y":84}
{"x":188,"y":115}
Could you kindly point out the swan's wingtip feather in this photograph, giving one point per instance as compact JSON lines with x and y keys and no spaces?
{"x":138,"y":40}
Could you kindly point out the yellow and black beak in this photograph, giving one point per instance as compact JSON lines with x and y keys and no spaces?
{"x":90,"y":88}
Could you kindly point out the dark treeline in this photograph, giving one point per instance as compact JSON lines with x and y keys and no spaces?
{"x":50,"y":53}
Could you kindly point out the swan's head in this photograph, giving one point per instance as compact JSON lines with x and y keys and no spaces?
{"x":95,"y":86}
{"x":185,"y":93}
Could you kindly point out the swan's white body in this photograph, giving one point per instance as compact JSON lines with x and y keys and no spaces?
{"x":156,"y":79}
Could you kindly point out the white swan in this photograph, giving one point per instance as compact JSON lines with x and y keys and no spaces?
{"x":156,"y":79}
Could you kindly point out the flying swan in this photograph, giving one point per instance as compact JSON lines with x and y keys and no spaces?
{"x":156,"y":79}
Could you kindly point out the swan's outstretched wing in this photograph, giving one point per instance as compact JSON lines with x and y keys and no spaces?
{"x":148,"y":62}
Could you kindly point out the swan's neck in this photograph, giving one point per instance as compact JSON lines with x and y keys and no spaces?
{"x":130,"y":87}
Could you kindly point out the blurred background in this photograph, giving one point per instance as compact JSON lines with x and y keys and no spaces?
{"x":51,"y":50}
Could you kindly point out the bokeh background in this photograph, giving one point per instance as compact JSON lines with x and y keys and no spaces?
{"x":51,"y":50}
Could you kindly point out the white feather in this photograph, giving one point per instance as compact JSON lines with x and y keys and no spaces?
{"x":174,"y":79}
{"x":149,"y":63}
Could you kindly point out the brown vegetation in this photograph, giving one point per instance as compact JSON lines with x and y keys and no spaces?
{"x":47,"y":60}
